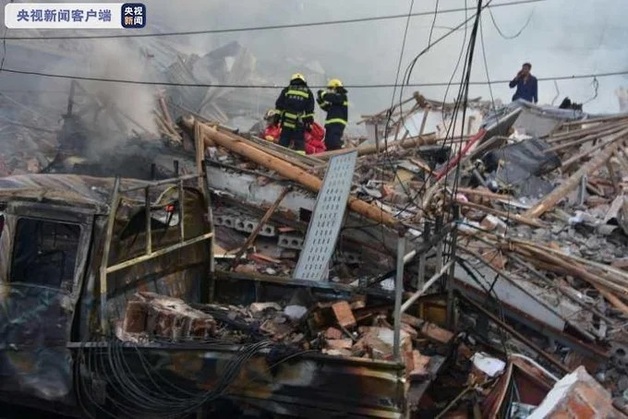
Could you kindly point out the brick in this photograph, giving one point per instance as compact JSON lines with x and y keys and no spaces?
{"x":580,"y":409}
{"x":135,"y":317}
{"x":409,"y":330}
{"x":436,"y":333}
{"x":344,"y":315}
{"x":339,"y":344}
{"x":576,"y":395}
{"x":412,"y":321}
{"x":419,"y":364}
{"x":378,"y":343}
{"x":358,"y":302}
{"x":164,"y":321}
{"x":202,"y":328}
{"x":333,"y":333}
{"x":278,"y":331}
{"x":246,"y":269}
{"x":378,"y":349}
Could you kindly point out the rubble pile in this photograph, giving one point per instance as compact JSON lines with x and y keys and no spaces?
{"x":542,"y":234}
{"x":515,"y":226}
{"x":345,"y":328}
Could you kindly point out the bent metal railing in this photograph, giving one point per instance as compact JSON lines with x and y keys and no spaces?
{"x":149,"y":252}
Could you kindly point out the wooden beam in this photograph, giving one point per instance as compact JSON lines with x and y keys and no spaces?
{"x":509,"y":216}
{"x":550,"y":200}
{"x":287,"y":170}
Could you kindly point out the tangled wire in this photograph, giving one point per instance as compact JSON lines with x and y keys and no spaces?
{"x":117,"y":378}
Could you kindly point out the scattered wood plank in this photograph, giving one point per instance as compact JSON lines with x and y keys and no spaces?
{"x":550,"y":200}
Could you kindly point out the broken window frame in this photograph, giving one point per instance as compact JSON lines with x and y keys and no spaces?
{"x":65,"y":280}
{"x":71,"y":288}
{"x":52,"y":213}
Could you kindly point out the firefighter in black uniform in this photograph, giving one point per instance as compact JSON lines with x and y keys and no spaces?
{"x":296,"y":107}
{"x":334,"y":102}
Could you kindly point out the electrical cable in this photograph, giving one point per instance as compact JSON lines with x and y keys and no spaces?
{"x":386,"y":129}
{"x":429,"y":39}
{"x":596,"y":86}
{"x":409,"y":71}
{"x":264,"y":28}
{"x":413,"y":197}
{"x":519,"y":32}
{"x":136,"y":388}
{"x":488,"y":77}
{"x":494,"y":109}
{"x":252,"y":86}
{"x":407,"y":75}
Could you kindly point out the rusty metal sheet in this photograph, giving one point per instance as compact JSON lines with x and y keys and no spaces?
{"x":33,"y":354}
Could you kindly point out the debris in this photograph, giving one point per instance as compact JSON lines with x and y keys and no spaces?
{"x":436,"y":333}
{"x":419,"y":369}
{"x":488,"y":365}
{"x":257,"y":308}
{"x":523,"y":235}
{"x":344,"y":315}
{"x":339,"y":344}
{"x":577,"y":395}
{"x":165,"y":317}
{"x":333,"y":333}
{"x":295,"y":313}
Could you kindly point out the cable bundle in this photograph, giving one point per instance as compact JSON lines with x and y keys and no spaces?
{"x":135,"y":387}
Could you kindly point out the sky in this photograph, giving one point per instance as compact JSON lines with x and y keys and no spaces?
{"x":559,"y":38}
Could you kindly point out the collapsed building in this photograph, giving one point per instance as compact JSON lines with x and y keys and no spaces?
{"x":441,"y":267}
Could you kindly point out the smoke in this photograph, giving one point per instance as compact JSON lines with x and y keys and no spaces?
{"x":561,"y":39}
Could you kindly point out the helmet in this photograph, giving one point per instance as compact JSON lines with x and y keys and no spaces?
{"x":271,"y":113}
{"x":333,"y":83}
{"x":297,"y":76}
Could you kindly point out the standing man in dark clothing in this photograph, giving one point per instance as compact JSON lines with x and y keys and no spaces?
{"x":296,"y":107}
{"x":527,"y":88}
{"x":334,"y":102}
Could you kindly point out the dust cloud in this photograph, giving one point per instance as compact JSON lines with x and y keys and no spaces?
{"x":561,"y":39}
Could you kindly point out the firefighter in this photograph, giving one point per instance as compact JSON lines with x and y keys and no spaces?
{"x":296,"y":107}
{"x":334,"y":102}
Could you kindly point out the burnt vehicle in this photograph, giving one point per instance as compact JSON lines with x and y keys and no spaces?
{"x":76,"y":251}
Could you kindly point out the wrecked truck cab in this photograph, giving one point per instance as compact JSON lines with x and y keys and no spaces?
{"x":104,"y":243}
{"x":56,"y":231}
